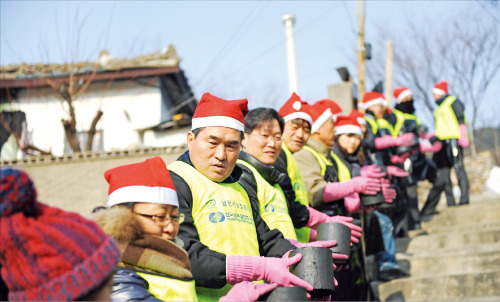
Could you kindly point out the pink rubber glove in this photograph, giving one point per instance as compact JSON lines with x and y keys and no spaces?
{"x":325,"y":243}
{"x":396,"y":172}
{"x":353,"y":203}
{"x":463,"y":141}
{"x":252,"y":268}
{"x":399,"y":159}
{"x":312,"y":235}
{"x":404,"y":140}
{"x":248,"y":291}
{"x":371,"y":171}
{"x":384,"y":142}
{"x":316,"y":218}
{"x":389,"y":193}
{"x":424,"y":147}
{"x":337,"y":190}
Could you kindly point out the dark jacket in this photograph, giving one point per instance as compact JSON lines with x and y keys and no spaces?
{"x":208,"y":266}
{"x":129,"y":286}
{"x":298,"y":212}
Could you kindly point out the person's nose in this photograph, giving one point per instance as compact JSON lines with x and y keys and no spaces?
{"x":220,"y":152}
{"x":169,"y":228}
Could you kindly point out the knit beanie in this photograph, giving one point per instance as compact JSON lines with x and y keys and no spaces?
{"x":47,"y":253}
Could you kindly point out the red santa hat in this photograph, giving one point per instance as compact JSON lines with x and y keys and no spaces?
{"x":372,"y":98}
{"x":213,"y":111}
{"x":401,"y":93}
{"x":295,"y":108}
{"x":147,"y":181}
{"x":347,"y":125}
{"x":320,"y":114}
{"x":357,"y":115}
{"x":440,"y":88}
{"x":334,"y":107}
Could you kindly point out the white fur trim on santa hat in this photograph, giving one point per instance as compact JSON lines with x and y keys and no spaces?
{"x":323,"y":118}
{"x":334,"y":116}
{"x":438,"y":91}
{"x":403,"y":95}
{"x":299,"y":114}
{"x":373,"y":103}
{"x":160,"y":195}
{"x":217,"y":121}
{"x":361,"y":121}
{"x":347,"y":129}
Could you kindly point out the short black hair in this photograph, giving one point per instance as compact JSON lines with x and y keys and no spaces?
{"x":256,"y":117}
{"x":197,"y":131}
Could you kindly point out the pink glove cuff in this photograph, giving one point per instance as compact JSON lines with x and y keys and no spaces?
{"x":386,"y":141}
{"x":315,"y":218}
{"x":337,"y":190}
{"x":240,"y":268}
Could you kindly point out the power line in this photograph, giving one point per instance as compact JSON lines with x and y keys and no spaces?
{"x":349,"y":15}
{"x":489,"y":13}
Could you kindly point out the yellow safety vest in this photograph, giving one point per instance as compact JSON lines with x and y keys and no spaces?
{"x":170,"y":289}
{"x":446,"y":121}
{"x":222,"y":214}
{"x":408,"y":116}
{"x":272,"y":204}
{"x":300,"y":189}
{"x":394,"y":131}
{"x":323,"y":161}
{"x":372,"y":123}
{"x":344,"y":173}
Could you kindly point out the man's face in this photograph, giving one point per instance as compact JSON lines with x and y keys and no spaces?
{"x":436,"y":96}
{"x":214,"y":151}
{"x":296,"y":134}
{"x":378,"y":110}
{"x":326,"y":133}
{"x":264,"y":143}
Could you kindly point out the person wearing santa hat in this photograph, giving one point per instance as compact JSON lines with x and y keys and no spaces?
{"x":296,"y":132}
{"x":348,"y":159}
{"x":143,"y":217}
{"x":334,"y":107}
{"x":223,"y":233}
{"x":451,"y":131}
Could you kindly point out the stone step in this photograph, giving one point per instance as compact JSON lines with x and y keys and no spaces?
{"x":446,"y":241}
{"x":452,"y":264}
{"x":465,"y":215}
{"x":484,"y":226}
{"x":442,"y":287}
{"x":446,"y":252}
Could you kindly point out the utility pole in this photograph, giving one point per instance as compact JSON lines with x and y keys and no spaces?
{"x":289,"y":20}
{"x":361,"y":52}
{"x":388,"y":73}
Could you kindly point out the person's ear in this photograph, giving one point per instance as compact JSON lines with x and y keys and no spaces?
{"x":190,"y":139}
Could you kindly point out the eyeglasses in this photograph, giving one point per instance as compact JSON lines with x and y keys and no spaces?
{"x":164,"y":219}
{"x":267,"y":137}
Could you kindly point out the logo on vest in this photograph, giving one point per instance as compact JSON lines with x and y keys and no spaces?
{"x":211,"y":203}
{"x":269,"y":208}
{"x":216,"y":217}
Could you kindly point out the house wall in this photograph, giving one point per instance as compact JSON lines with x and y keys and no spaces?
{"x":128,"y":106}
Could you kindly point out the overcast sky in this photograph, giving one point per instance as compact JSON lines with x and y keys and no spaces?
{"x":234,"y":49}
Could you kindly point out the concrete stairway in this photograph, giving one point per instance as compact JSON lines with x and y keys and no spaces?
{"x":456,"y":256}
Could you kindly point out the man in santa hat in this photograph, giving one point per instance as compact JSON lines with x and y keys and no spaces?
{"x":222,"y":232}
{"x":451,"y":131}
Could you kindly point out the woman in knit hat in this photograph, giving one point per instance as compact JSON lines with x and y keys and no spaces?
{"x":143,"y":216}
{"x":47,"y":254}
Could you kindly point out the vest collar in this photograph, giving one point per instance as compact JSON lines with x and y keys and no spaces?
{"x":268,"y":172}
{"x":319,"y":147}
{"x":441,"y":100}
{"x":232,"y":178}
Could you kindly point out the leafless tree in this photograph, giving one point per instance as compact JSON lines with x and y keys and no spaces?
{"x":466,"y":54}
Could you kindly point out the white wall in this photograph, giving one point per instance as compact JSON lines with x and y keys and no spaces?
{"x":127,"y":106}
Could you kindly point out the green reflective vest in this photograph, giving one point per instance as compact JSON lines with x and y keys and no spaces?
{"x":300,"y":189}
{"x":446,"y":121}
{"x":322,"y":161}
{"x":222,"y":214}
{"x":394,"y":131}
{"x":373,"y":124}
{"x":170,"y":289}
{"x":343,"y":171}
{"x":272,"y":204}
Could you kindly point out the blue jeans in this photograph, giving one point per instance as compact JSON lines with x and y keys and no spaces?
{"x":387,"y":259}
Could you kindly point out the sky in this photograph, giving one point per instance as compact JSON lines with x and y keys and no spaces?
{"x":233,"y":49}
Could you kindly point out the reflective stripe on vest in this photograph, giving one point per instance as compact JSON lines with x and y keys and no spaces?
{"x":322,"y":161}
{"x":372,"y":123}
{"x":344,"y":173}
{"x":446,"y":121}
{"x":394,"y":131}
{"x":170,"y":289}
{"x":409,"y":116}
{"x":300,"y":189}
{"x":272,"y":204}
{"x":223,"y":218}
